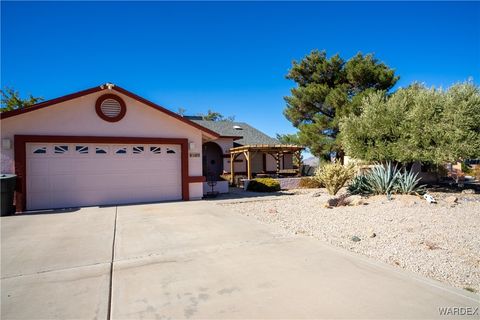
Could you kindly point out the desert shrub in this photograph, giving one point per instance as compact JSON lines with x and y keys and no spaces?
{"x":334,"y":176}
{"x":309,"y":183}
{"x":225,"y":177}
{"x":264,"y":185}
{"x":476,"y":172}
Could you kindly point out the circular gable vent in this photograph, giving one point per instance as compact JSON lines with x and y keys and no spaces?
{"x":110,"y":107}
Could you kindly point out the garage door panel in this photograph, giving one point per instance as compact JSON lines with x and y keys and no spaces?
{"x":79,"y":176}
{"x":83,"y":165}
{"x":37,"y":166}
{"x":59,"y":167}
{"x":159,"y":180}
{"x":61,"y":182}
{"x":39,"y":199}
{"x":38,"y":183}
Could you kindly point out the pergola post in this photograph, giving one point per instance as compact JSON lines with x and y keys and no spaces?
{"x":249,"y":165}
{"x":298,"y":155}
{"x":232,"y":168}
{"x":277,"y":159}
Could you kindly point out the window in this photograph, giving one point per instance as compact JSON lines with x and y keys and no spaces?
{"x":40,"y":150}
{"x":81,"y":149}
{"x":138,"y":149}
{"x":170,"y":150}
{"x":155,"y":150}
{"x":121,"y":150}
{"x":60,"y":149}
{"x":100,"y":150}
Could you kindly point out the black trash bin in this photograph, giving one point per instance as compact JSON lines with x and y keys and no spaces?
{"x":8,"y":190}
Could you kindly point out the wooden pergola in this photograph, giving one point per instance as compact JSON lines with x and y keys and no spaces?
{"x":275,"y":150}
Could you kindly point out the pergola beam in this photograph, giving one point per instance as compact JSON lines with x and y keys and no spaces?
{"x":275,"y":150}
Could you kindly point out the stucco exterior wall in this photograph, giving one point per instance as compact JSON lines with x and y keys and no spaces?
{"x":271,"y":163}
{"x":288,"y":159}
{"x":257,"y":162}
{"x":77,"y":117}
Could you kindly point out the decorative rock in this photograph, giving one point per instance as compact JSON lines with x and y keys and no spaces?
{"x":373,"y":235}
{"x":468,"y":191}
{"x":355,"y":200}
{"x":355,"y":239}
{"x":317,"y":194}
{"x":429,"y":198}
{"x":451,"y":199}
{"x":332,"y":202}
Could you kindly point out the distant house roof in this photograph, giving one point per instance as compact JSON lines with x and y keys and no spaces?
{"x":245,"y":133}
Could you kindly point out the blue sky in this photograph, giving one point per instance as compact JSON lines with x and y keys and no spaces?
{"x":230,"y":57}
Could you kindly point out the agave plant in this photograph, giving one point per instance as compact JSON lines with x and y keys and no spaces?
{"x":386,"y":179}
{"x":407,"y":183}
{"x":359,"y":185}
{"x":382,"y":178}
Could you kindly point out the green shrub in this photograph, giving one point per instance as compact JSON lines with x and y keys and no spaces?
{"x":264,"y":185}
{"x":466,"y":168}
{"x":334,"y":176}
{"x":476,"y":172}
{"x":309,"y":183}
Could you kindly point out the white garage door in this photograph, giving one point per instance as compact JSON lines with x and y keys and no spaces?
{"x":66,"y":175}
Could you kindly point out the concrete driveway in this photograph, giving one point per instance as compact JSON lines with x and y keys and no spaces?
{"x":195,"y":260}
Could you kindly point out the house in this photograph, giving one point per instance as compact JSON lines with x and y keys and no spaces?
{"x":106,"y":145}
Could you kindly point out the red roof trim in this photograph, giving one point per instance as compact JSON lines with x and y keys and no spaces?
{"x":78,"y":94}
{"x":164,"y":110}
{"x":41,"y":105}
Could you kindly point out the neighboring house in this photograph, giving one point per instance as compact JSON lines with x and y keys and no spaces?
{"x":106,"y":145}
{"x":216,"y":153}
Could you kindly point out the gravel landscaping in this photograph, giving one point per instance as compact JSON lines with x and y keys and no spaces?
{"x":441,"y":240}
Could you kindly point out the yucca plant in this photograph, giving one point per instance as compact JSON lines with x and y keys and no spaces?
{"x":407,"y":183}
{"x":382,"y":178}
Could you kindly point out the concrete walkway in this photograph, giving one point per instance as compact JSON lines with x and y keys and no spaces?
{"x":195,"y":260}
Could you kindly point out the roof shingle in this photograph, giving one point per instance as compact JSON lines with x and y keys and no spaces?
{"x":249,"y":134}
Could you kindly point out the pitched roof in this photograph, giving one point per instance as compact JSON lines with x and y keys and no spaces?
{"x":111,"y":87}
{"x":245,"y":133}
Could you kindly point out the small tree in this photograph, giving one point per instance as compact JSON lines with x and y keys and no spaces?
{"x":181,"y":111}
{"x":327,"y":90}
{"x":216,"y":116}
{"x":11,"y":100}
{"x":288,"y":138}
